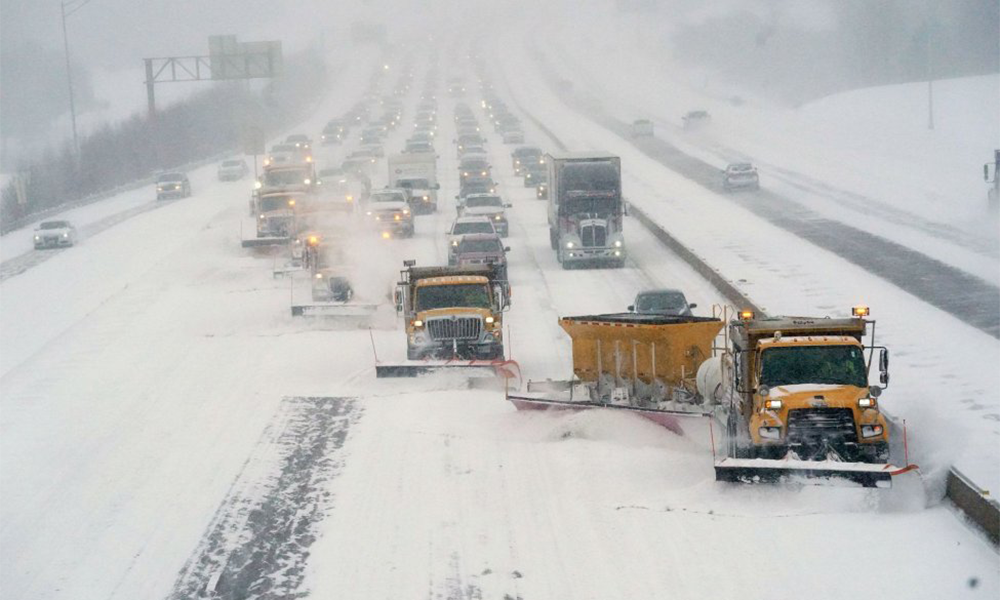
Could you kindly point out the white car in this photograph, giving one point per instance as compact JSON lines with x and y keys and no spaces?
{"x":466,"y":226}
{"x":54,"y":234}
{"x":489,"y":206}
{"x":233,"y":170}
{"x":740,"y":176}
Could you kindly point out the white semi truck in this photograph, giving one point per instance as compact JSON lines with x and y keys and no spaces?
{"x":416,"y":172}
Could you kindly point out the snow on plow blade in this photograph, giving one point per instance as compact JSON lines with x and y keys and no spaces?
{"x":265,"y":241}
{"x":333,"y":310}
{"x":758,"y":470}
{"x":502,"y":369}
{"x":671,"y":419}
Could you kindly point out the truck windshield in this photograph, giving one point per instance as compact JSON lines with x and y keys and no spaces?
{"x":839,"y":365}
{"x":490,"y":246}
{"x":286,"y":177}
{"x":415,"y":184}
{"x":590,"y":206}
{"x":453,"y":296}
{"x":276,"y":203}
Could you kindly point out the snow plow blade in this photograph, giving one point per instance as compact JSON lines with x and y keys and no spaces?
{"x":670,"y":419}
{"x":758,"y":470}
{"x":265,"y":241}
{"x":287,"y":269}
{"x":333,"y":310}
{"x":503,"y":369}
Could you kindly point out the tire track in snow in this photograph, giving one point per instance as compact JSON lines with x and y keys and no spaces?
{"x":258,"y":542}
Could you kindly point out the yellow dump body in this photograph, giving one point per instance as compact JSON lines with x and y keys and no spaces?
{"x":645,"y":347}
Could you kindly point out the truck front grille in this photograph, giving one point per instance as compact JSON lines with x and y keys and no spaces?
{"x":594,"y":235}
{"x":814,"y":426}
{"x":460,"y":328}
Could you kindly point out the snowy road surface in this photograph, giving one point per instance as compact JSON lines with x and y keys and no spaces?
{"x":168,"y":430}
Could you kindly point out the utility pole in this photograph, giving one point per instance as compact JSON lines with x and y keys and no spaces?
{"x":67,"y":8}
{"x":930,"y":70}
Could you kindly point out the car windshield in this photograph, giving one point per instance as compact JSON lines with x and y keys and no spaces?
{"x":231,"y":163}
{"x":661,"y":302}
{"x":54,"y":225}
{"x":789,"y":365}
{"x":480,"y":227}
{"x":171,"y":177}
{"x":475,"y":165}
{"x":484,"y":201}
{"x":490,"y":245}
{"x":466,"y":295}
{"x":388,"y":197}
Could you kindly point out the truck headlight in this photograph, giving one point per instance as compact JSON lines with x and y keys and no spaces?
{"x":866,"y":402}
{"x":427,"y":198}
{"x":773,"y":405}
{"x":498,"y":217}
{"x":618,"y":243}
{"x":490,"y":320}
{"x":159,"y":189}
{"x":770,"y":433}
{"x":38,"y":237}
{"x":868,"y":431}
{"x":418,"y":323}
{"x":453,"y":242}
{"x":570,"y":244}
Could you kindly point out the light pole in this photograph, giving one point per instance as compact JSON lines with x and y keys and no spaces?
{"x":68,"y":8}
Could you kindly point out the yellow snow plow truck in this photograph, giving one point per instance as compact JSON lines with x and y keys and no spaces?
{"x":799,"y":401}
{"x":791,"y":393}
{"x":453,"y":317}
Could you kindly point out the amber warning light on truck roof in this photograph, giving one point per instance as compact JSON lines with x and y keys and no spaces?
{"x":746,"y":315}
{"x":860,"y":311}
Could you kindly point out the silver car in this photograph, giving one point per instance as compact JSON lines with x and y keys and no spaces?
{"x":54,"y":234}
{"x":662,"y":302}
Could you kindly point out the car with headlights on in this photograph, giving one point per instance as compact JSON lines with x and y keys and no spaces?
{"x":172,"y":185}
{"x":490,"y":206}
{"x":54,"y":234}
{"x":464,"y":226}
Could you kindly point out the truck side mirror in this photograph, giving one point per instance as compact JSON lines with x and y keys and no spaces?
{"x":625,"y":205}
{"x":397,"y":297}
{"x":692,"y":305}
{"x":883,"y":378}
{"x":631,"y":307}
{"x":883,"y":360}
{"x":986,"y":172}
{"x":437,"y":186}
{"x":508,"y":205}
{"x":506,"y":248}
